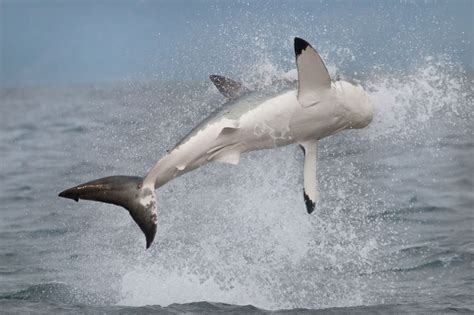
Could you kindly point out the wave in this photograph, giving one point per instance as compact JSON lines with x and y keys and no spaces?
{"x":55,"y":292}
{"x":206,"y":307}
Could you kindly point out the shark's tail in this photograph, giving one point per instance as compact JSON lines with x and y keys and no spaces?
{"x":125,"y":191}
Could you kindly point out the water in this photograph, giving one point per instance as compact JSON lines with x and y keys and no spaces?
{"x":393,"y":232}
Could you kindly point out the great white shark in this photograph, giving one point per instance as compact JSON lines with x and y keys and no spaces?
{"x":318,"y":108}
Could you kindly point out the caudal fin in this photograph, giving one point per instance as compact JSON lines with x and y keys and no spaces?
{"x":124,"y":191}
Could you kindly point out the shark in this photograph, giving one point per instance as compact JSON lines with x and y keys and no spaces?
{"x":250,"y":120}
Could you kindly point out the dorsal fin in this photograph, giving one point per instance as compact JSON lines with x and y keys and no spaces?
{"x":228,"y":87}
{"x":313,"y":76}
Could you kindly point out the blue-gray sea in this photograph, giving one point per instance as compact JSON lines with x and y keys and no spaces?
{"x":92,"y":89}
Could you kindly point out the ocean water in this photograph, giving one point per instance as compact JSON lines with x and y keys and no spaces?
{"x":393,"y":232}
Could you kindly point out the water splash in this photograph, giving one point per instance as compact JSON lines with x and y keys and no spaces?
{"x":405,"y":103}
{"x":266,"y":251}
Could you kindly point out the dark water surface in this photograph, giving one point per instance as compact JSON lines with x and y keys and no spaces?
{"x":393,"y":232}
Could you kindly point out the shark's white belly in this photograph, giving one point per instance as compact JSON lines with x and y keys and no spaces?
{"x":278,"y":121}
{"x":282,"y":120}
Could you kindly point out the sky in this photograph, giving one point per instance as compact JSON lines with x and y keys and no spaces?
{"x":49,"y":43}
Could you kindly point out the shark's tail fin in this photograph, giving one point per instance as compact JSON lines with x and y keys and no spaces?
{"x":125,"y":191}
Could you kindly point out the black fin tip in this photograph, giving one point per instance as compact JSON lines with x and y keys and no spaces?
{"x":310,"y":205}
{"x":300,"y":45}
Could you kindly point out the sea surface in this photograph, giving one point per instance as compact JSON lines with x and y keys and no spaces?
{"x":393,"y":232}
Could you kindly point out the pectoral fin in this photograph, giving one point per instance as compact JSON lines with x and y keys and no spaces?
{"x":310,"y":187}
{"x":232,"y":157}
{"x":313,"y":76}
{"x":226,"y":154}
